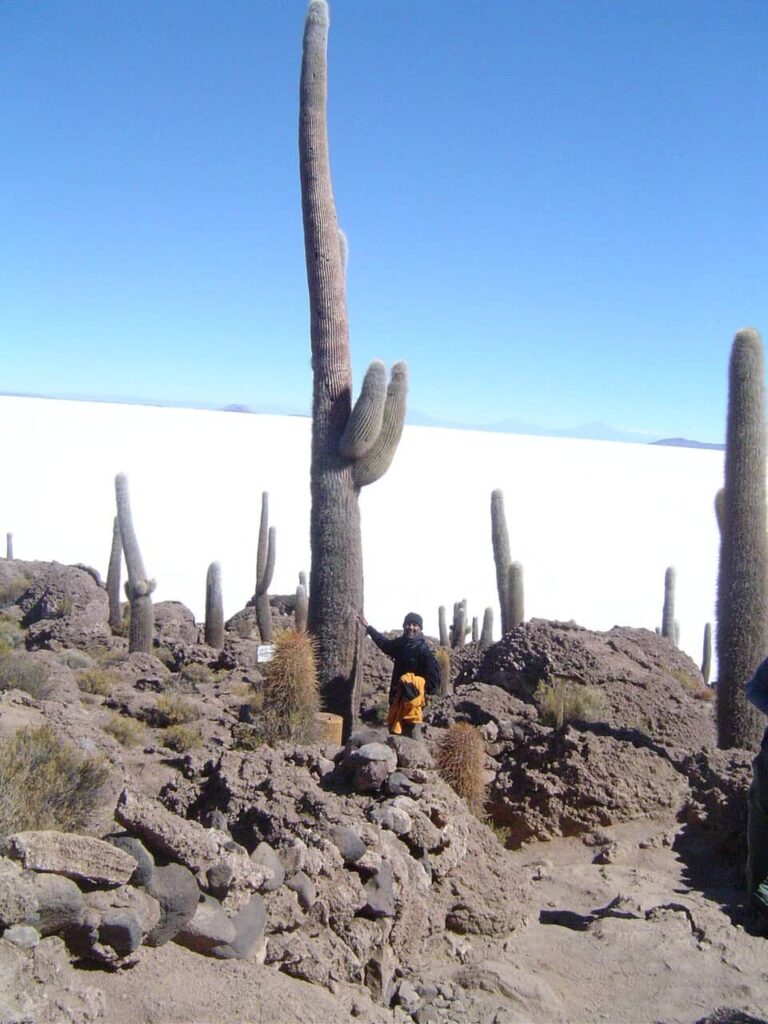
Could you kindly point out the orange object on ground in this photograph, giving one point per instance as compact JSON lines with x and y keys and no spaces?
{"x":408,"y":704}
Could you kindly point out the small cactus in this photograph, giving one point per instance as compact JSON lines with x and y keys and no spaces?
{"x":9,"y":546}
{"x":265,"y":567}
{"x":302,"y":609}
{"x":113,"y":577}
{"x":475,"y":629}
{"x":291,"y":691}
{"x":460,"y":759}
{"x":214,"y":607}
{"x":459,"y":629}
{"x":138,"y":588}
{"x":515,"y":596}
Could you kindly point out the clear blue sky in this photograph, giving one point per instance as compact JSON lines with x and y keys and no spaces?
{"x":557,"y":211}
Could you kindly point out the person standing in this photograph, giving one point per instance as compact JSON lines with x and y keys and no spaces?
{"x":415,"y":674}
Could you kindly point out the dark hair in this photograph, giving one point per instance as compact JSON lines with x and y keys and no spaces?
{"x":412,"y":619}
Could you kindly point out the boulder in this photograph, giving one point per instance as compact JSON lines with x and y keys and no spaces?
{"x":176,"y":891}
{"x":249,"y":942}
{"x":74,"y":856}
{"x":207,"y":928}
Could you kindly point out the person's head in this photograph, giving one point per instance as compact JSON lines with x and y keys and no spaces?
{"x":412,"y":624}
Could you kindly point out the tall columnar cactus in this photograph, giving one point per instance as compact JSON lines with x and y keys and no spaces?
{"x":742,"y":600}
{"x":9,"y":546}
{"x":214,"y":607}
{"x":486,"y":633}
{"x":443,"y":658}
{"x":301,"y":614}
{"x":475,"y":629}
{"x":442,"y":627}
{"x":668,"y":610}
{"x":501,"y":557}
{"x":113,"y":576}
{"x":720,"y":508}
{"x":706,"y":654}
{"x":138,"y":587}
{"x":350,"y":447}
{"x":265,"y":567}
{"x":459,"y":628}
{"x":515,"y":596}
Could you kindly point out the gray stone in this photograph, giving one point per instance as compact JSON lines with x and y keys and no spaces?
{"x":376,"y":752}
{"x":350,"y":844}
{"x":410,"y":753}
{"x":370,"y":776}
{"x":266,"y":857}
{"x":209,"y":927}
{"x":393,"y":818}
{"x":177,"y":892}
{"x":121,"y":931}
{"x":398,"y":784}
{"x":380,"y":893}
{"x":22,"y":935}
{"x":145,"y":864}
{"x":17,"y":894}
{"x":249,"y":942}
{"x":427,"y":1015}
{"x":127,"y":899}
{"x":408,"y":997}
{"x":219,"y":877}
{"x":304,"y":888}
{"x":65,"y":853}
{"x":60,"y":904}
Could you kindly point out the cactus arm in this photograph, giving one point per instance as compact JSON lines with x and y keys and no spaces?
{"x":376,"y":461}
{"x":138,"y":588}
{"x":365,"y":422}
{"x":515,"y":595}
{"x":113,"y":575}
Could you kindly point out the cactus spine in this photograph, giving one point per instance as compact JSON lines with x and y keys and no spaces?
{"x":214,"y":607}
{"x":350,"y":447}
{"x":668,"y":611}
{"x":113,"y":576}
{"x":706,"y":654}
{"x":265,"y":567}
{"x":742,"y":603}
{"x":138,"y":587}
{"x":486,"y":633}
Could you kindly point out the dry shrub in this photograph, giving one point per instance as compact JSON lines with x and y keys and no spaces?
{"x":563,"y":701}
{"x":13,"y":589}
{"x":172,"y":710}
{"x":291,"y":689}
{"x":181,"y":737}
{"x":460,"y":759}
{"x":98,"y":680}
{"x":46,"y":783}
{"x":17,"y":672}
{"x":127,"y":731}
{"x":695,"y":686}
{"x":11,"y":634}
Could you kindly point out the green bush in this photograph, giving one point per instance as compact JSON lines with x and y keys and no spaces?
{"x":98,"y":680}
{"x":17,"y":672}
{"x":125,"y":730}
{"x":195,"y":674}
{"x":45,"y":783}
{"x":75,"y":659}
{"x":181,"y":737}
{"x":564,"y":700}
{"x":12,"y":590}
{"x":246,"y":736}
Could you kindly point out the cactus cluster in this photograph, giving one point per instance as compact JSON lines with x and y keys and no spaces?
{"x":509,"y":574}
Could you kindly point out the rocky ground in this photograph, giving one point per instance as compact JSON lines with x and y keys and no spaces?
{"x":318,"y":883}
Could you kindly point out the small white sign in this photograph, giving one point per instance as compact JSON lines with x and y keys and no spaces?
{"x":265,"y":652}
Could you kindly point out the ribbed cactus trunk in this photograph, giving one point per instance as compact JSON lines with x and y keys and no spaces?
{"x":668,"y":609}
{"x":138,"y":587}
{"x":742,"y":602}
{"x":214,"y":607}
{"x":265,"y":567}
{"x":442,"y":627}
{"x":706,"y":654}
{"x":501,"y":557}
{"x":9,"y":546}
{"x":515,"y":596}
{"x":350,"y":447}
{"x":486,"y":633}
{"x":459,"y":627}
{"x":113,"y":576}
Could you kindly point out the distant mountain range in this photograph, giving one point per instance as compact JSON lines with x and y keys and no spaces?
{"x":595,"y":431}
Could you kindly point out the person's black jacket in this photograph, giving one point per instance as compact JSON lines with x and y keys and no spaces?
{"x":411,"y":654}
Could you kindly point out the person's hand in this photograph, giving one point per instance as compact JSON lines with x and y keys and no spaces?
{"x":361,"y":619}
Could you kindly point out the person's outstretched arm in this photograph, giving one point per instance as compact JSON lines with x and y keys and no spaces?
{"x":757,"y":688}
{"x":384,"y":643}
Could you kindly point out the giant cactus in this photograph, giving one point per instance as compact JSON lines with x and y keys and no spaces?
{"x":138,"y":587}
{"x":113,"y":577}
{"x":214,"y":607}
{"x":668,"y":610}
{"x":742,"y":601}
{"x":350,"y":447}
{"x":486,"y":633}
{"x":515,"y":596}
{"x":265,"y":567}
{"x":501,"y":557}
{"x":706,"y":653}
